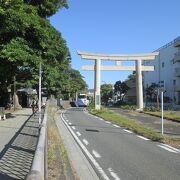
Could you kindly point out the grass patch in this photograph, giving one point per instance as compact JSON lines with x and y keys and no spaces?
{"x":127,"y":123}
{"x":57,"y":155}
{"x":167,"y":114}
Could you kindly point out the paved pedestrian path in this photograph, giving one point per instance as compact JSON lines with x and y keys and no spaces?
{"x":170,"y":128}
{"x":18,"y":140}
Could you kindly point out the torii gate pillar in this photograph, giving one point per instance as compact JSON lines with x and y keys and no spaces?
{"x":139,"y":87}
{"x":97,"y":77}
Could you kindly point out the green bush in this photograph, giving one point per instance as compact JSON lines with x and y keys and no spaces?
{"x":129,"y":107}
{"x":151,"y":109}
{"x":91,"y":106}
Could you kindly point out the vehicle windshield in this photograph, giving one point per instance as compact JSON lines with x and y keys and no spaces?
{"x":82,"y":96}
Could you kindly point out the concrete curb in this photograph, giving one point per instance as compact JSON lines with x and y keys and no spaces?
{"x":77,"y":159}
{"x":169,"y":119}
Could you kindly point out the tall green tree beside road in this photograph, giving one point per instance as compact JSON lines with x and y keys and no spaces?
{"x":46,"y":8}
{"x":26,"y":39}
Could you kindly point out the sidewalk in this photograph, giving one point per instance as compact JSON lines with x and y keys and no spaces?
{"x":171,"y":128}
{"x":18,"y":139}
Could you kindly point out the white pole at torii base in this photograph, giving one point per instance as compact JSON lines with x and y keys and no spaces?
{"x":139,"y":85}
{"x":97,"y":88}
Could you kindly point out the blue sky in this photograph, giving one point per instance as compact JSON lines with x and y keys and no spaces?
{"x":116,"y":27}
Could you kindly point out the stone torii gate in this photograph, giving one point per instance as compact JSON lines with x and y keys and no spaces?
{"x":126,"y":57}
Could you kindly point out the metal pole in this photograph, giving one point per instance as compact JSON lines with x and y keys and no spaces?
{"x":157,"y":97}
{"x":14,"y":100}
{"x":39,"y":93}
{"x":162,"y":120}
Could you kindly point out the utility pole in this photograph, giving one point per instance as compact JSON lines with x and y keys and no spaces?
{"x":162,"y":114}
{"x":40,"y":74}
{"x":14,"y":99}
{"x":162,"y":90}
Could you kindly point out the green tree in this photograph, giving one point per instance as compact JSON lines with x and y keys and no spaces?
{"x":120,"y":88}
{"x":26,"y":40}
{"x":132,"y":76}
{"x":47,"y":8}
{"x":106,"y":92}
{"x":76,"y":82}
{"x":151,"y":91}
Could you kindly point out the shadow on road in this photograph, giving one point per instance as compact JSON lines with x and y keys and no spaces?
{"x":16,"y":158}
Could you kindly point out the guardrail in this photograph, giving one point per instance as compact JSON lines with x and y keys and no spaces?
{"x":39,"y":168}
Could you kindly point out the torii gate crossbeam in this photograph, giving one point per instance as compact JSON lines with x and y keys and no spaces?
{"x":139,"y":68}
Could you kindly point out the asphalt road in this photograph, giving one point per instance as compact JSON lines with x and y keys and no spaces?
{"x":118,"y":154}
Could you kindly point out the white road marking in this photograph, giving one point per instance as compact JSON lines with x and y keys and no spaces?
{"x":85,"y":142}
{"x":101,"y":119}
{"x":78,"y":133}
{"x":73,"y":127}
{"x":146,"y":139}
{"x":113,"y":174}
{"x":168,"y":149}
{"x":107,"y":122}
{"x":116,"y":126}
{"x":70,"y":123}
{"x":96,"y":154}
{"x":127,"y":131}
{"x":98,"y":167}
{"x":175,"y":149}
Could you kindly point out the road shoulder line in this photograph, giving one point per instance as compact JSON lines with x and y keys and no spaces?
{"x":77,"y":159}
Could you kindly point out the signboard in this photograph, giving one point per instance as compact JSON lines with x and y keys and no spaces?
{"x":161,"y":86}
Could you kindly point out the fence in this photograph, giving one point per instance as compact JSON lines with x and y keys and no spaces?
{"x":39,"y":169}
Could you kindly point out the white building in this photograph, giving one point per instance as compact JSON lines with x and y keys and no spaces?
{"x":167,"y":70}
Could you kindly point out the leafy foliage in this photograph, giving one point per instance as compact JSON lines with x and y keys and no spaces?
{"x":106,"y":92}
{"x":47,"y":8}
{"x":121,"y":89}
{"x":151,"y":91}
{"x":27,"y":39}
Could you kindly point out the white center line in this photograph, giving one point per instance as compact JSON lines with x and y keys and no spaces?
{"x":116,"y":126}
{"x":101,"y":119}
{"x":85,"y":142}
{"x":96,"y":154}
{"x":113,"y":174}
{"x":96,"y":164}
{"x":127,"y":131}
{"x":78,"y":133}
{"x":107,"y":122}
{"x":168,"y":149}
{"x":146,"y":139}
{"x":73,"y":127}
{"x":70,"y":123}
{"x":171,"y":147}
